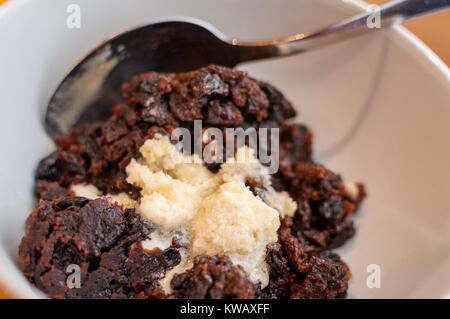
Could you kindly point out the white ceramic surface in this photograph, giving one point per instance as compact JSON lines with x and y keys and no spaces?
{"x":379,"y":106}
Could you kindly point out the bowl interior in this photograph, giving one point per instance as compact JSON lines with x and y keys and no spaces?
{"x":378,"y":105}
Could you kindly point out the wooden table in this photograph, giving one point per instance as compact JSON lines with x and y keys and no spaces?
{"x":433,"y":30}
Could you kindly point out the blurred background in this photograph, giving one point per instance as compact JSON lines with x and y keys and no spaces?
{"x":433,"y":30}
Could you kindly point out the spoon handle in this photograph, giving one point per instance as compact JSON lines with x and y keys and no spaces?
{"x":375,"y":18}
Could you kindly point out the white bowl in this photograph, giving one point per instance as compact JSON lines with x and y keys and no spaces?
{"x":379,"y":106}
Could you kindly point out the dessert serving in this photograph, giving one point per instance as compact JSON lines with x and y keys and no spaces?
{"x":141,"y":218}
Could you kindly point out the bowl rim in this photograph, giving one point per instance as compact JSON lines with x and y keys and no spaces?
{"x":8,"y":269}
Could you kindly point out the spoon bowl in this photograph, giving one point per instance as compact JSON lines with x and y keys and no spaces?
{"x":93,"y":86}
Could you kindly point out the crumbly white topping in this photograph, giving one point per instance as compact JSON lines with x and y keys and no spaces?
{"x":352,"y":190}
{"x":86,"y":190}
{"x":215,"y":213}
{"x":91,"y":192}
{"x":234,"y":222}
{"x":222,"y":214}
{"x":122,"y":199}
{"x":158,"y":240}
{"x":167,"y":202}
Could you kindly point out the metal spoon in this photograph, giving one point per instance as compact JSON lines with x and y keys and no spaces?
{"x":92,"y":88}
